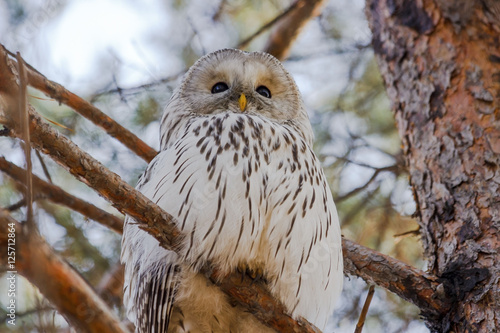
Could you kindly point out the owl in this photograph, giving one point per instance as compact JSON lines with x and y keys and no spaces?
{"x":237,"y":172}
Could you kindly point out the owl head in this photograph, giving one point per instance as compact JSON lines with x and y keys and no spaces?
{"x":229,"y":80}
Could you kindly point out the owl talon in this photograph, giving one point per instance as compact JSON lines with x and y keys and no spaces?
{"x":254,"y":274}
{"x":242,"y":270}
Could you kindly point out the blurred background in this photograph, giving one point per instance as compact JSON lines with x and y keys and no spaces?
{"x":126,"y":57}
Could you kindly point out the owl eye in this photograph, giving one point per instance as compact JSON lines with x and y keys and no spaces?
{"x":219,"y":87}
{"x":262,"y":90}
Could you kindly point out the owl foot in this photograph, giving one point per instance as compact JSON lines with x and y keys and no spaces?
{"x":255,"y":275}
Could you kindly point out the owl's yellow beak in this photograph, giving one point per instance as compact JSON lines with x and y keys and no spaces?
{"x":243,"y":102}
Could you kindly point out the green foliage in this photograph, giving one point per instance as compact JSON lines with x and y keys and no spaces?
{"x":147,"y":111}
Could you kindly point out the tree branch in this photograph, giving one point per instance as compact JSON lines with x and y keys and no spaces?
{"x":409,"y":283}
{"x":23,"y":109}
{"x":62,"y":95}
{"x":364,"y":311}
{"x":287,"y":29}
{"x":58,"y":282}
{"x":57,"y":195}
{"x":355,"y":191}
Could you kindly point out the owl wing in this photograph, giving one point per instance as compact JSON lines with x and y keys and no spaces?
{"x":158,"y":289}
{"x":151,"y":272}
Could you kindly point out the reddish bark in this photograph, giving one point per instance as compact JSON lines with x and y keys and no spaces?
{"x":440,"y":64}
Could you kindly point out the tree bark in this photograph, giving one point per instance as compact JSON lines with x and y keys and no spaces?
{"x":441,"y":67}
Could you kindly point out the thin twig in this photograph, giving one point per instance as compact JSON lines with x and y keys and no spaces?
{"x":362,"y":187}
{"x":23,"y":111}
{"x":415,"y":232}
{"x":137,"y":89}
{"x":16,"y":206}
{"x":44,"y":166}
{"x":364,"y":311}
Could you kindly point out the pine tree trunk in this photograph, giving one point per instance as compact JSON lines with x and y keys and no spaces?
{"x":440,"y":61}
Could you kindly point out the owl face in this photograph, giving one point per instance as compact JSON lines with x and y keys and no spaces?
{"x":236,"y":81}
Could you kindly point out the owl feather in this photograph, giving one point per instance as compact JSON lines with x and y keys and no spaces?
{"x":246,"y":190}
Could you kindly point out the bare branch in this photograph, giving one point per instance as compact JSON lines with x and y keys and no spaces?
{"x":44,"y":166}
{"x":137,"y":89}
{"x":362,"y":187}
{"x":61,"y":285}
{"x":57,"y":195}
{"x":15,"y":206}
{"x":364,"y":311}
{"x":409,"y":283}
{"x":23,"y":103}
{"x":287,"y":30}
{"x":62,"y":95}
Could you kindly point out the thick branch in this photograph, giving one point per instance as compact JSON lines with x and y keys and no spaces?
{"x":409,"y":283}
{"x":60,"y":284}
{"x":287,"y":29}
{"x":58,"y":195}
